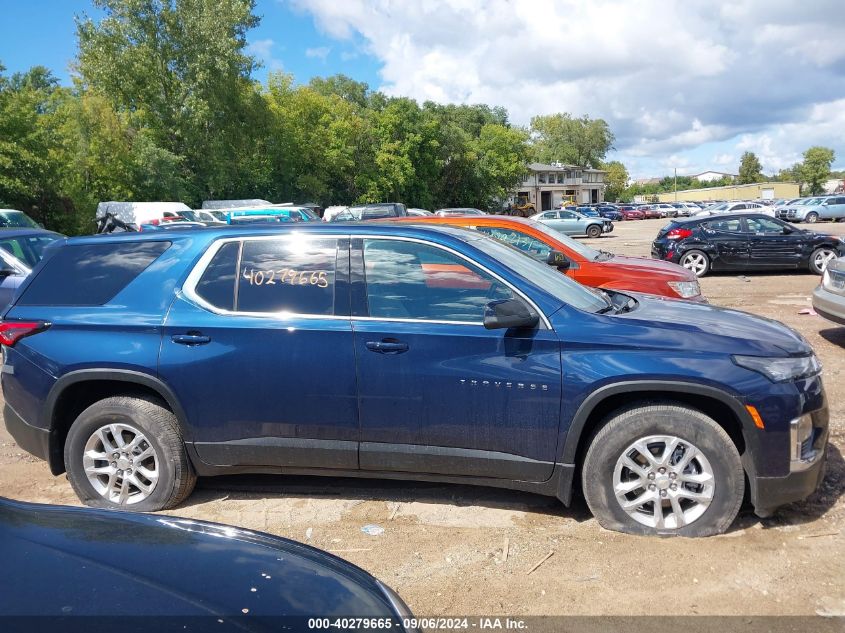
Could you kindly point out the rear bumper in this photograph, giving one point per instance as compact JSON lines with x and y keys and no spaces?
{"x":829,"y":305}
{"x":30,"y":438}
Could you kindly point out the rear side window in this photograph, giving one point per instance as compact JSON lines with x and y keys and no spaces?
{"x":90,"y":274}
{"x":287,"y":275}
{"x":217,"y":284}
{"x":733,"y":225}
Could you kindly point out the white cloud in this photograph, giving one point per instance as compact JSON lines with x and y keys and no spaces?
{"x":668,"y":76}
{"x":263,"y":51}
{"x":321,"y":52}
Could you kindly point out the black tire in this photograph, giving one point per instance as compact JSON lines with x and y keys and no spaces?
{"x":594,"y":230}
{"x":815,"y":267}
{"x":176,"y":477}
{"x":812,"y":217}
{"x":626,"y":426}
{"x":688,"y":257}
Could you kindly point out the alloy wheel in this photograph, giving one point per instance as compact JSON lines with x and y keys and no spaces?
{"x":121,"y":464}
{"x":823,"y":258}
{"x":813,"y":217}
{"x":695,"y":262}
{"x":664,"y":482}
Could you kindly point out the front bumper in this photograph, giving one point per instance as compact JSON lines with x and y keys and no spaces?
{"x":769,"y":493}
{"x":829,"y":305}
{"x":805,"y":473}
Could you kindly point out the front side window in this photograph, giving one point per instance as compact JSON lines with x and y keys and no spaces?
{"x":28,"y":249}
{"x":410,"y":280}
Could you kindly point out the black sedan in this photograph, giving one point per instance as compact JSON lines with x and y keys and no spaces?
{"x":743,"y":241}
{"x":64,"y":563}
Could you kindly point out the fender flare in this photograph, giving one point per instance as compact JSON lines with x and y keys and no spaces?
{"x":579,"y":420}
{"x":120,"y":375}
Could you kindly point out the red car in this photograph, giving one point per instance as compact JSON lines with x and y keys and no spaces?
{"x":631,"y":213}
{"x":650,"y":213}
{"x":583,"y":263}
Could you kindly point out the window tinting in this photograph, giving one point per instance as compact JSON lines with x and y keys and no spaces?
{"x":217,"y":284}
{"x":730,"y":226}
{"x":409,"y":280}
{"x":287,"y":275}
{"x":90,"y":274}
{"x":762,"y":225}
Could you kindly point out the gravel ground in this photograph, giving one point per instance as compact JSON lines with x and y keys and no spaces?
{"x":460,"y":550}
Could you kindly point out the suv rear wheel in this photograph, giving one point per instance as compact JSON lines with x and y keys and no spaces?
{"x":663,"y":469}
{"x":127,"y":453}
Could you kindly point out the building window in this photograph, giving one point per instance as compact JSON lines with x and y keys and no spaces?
{"x":541,"y":177}
{"x":560,"y":178}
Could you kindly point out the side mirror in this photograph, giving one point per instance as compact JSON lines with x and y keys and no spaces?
{"x":556,"y":258}
{"x":509,"y":313}
{"x":787,"y":230}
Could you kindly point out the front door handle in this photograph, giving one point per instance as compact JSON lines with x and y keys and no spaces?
{"x":190,"y":339}
{"x":387,"y":347}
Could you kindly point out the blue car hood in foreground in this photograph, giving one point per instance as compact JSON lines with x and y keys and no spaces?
{"x":63,"y":561}
{"x":659,"y":323}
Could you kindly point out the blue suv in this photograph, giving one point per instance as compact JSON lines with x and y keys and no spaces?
{"x":137,"y":362}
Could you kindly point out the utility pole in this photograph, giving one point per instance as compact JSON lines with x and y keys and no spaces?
{"x":676,"y":184}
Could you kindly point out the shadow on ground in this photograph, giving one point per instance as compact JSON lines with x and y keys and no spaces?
{"x":246,"y":487}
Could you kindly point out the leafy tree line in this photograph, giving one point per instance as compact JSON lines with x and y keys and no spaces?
{"x":163,"y":107}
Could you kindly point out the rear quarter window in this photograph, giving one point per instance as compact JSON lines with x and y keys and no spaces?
{"x":90,"y":274}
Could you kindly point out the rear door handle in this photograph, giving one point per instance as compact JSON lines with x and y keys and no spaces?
{"x":190,"y":339}
{"x":387,"y":347}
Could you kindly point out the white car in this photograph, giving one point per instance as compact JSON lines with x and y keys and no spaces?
{"x":734,"y":207}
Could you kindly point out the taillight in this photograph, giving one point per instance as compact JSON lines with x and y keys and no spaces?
{"x":678,"y":234}
{"x":13,"y":331}
{"x":154,"y":222}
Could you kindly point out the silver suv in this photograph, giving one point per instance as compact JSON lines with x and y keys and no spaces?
{"x":814,"y":209}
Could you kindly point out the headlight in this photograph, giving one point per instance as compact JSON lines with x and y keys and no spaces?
{"x":686,"y":289}
{"x":781,"y":369}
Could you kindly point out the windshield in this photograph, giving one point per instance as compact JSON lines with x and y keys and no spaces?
{"x":28,"y":248}
{"x":17,"y":219}
{"x":587,"y":252}
{"x":546,"y":277}
{"x":191,"y":216}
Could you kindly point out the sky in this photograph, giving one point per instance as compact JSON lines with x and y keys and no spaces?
{"x":684,"y":84}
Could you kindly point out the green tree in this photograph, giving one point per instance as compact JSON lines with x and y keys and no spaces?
{"x":28,"y":176}
{"x":617,"y":180}
{"x":815,"y":170}
{"x":178,"y":67}
{"x":578,"y":141}
{"x":502,"y":155}
{"x":750,"y":169}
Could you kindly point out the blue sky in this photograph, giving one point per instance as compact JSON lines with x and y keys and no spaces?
{"x":686,"y":84}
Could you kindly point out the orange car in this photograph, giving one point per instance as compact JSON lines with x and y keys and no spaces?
{"x":583,"y":263}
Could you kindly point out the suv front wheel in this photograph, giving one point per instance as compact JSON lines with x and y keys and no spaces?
{"x":128,"y":453}
{"x":663,"y":469}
